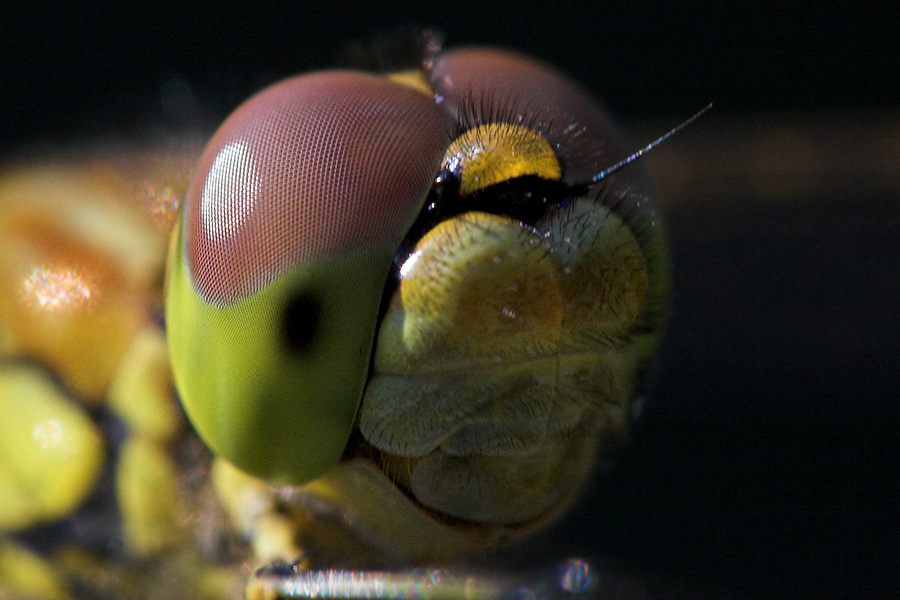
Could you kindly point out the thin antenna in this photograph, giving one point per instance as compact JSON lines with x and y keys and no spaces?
{"x":649,"y":146}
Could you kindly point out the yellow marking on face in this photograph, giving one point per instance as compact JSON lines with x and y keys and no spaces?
{"x":497,"y":152}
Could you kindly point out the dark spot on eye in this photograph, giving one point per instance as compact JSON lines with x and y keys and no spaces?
{"x":300,"y":324}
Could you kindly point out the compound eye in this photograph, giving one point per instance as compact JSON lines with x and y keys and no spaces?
{"x":315,"y":166}
{"x":290,"y":226}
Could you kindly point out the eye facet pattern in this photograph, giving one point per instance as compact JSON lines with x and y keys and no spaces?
{"x":307,"y":189}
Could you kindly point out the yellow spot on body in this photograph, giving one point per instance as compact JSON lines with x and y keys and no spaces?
{"x":50,"y":451}
{"x":489,"y":154}
{"x":141,"y":389}
{"x":149,"y":498}
{"x":25,"y":574}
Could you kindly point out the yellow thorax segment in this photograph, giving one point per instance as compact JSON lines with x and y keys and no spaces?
{"x":497,"y":152}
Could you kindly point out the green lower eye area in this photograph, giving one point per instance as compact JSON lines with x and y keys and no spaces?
{"x":272,"y":381}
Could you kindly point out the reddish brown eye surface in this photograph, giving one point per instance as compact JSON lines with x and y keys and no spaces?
{"x":313,"y":167}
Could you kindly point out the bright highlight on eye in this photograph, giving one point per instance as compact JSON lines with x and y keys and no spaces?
{"x":51,"y":290}
{"x":230,"y":191}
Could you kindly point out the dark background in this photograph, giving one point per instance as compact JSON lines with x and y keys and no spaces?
{"x":767,"y":462}
{"x":97,"y":65}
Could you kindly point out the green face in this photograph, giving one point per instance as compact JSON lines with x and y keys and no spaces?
{"x":423,"y":275}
